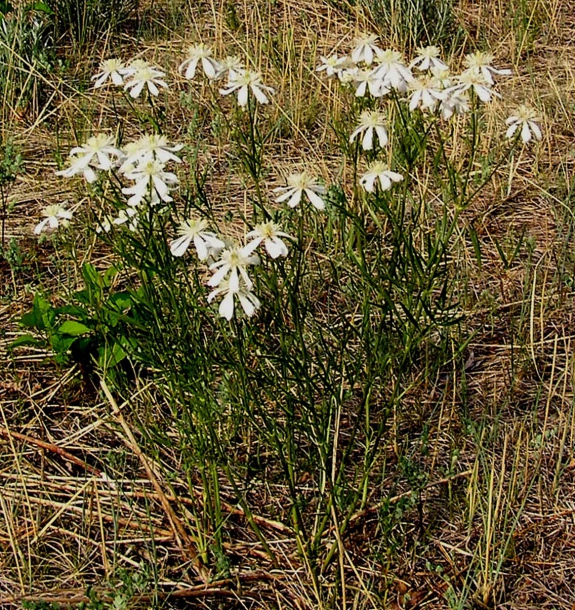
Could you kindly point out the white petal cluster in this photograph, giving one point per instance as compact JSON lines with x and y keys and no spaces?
{"x":243,"y":82}
{"x":302,"y":184}
{"x":471,"y":80}
{"x":98,"y":153}
{"x":112,"y":70}
{"x":142,"y":162}
{"x":152,"y":183}
{"x":369,"y":68}
{"x":231,"y":280}
{"x":270,"y":235}
{"x":194,"y":231}
{"x":379,"y":172}
{"x":364,"y":81}
{"x":392,"y":70}
{"x":426,"y":93}
{"x":371,"y":123}
{"x":525,"y":120}
{"x":333,"y":66}
{"x":200,"y":53}
{"x":149,"y":148}
{"x":376,"y":72}
{"x":230,"y":66}
{"x":240,"y":80}
{"x":479,"y":64}
{"x":248,"y":300}
{"x":54,"y":216}
{"x":428,"y":59}
{"x":365,"y":49}
{"x":232,"y":266}
{"x":142,"y":76}
{"x":134,"y":76}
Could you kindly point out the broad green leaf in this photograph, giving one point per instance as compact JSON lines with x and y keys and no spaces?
{"x":41,"y":7}
{"x":71,"y":327}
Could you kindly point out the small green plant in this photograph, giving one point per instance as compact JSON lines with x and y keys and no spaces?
{"x":92,"y":329}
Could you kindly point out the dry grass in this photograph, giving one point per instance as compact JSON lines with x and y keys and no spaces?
{"x":492,"y":523}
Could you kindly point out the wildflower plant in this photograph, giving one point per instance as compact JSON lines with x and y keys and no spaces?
{"x":249,"y":319}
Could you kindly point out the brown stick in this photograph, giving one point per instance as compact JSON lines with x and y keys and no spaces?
{"x":50,"y":447}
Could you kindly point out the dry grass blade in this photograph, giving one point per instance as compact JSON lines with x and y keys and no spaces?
{"x":184,"y":539}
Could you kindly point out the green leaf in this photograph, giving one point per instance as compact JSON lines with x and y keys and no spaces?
{"x":41,"y":316}
{"x":25,"y":340}
{"x":122,"y":300}
{"x":71,"y":327}
{"x":110,"y":274}
{"x":61,"y":344}
{"x":110,"y":357}
{"x":42,"y":7}
{"x":73,"y":310}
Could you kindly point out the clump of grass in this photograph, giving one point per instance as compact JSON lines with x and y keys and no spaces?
{"x":27,"y":56}
{"x":83,"y":21}
{"x":412,"y":23}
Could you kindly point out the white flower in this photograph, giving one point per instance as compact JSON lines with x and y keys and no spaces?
{"x":94,"y":154}
{"x":392,"y":70}
{"x":454,"y":103}
{"x":365,"y":49}
{"x":371,"y":122}
{"x":427,"y":59}
{"x":526,"y":119}
{"x":129,"y":216}
{"x":248,"y":300}
{"x":194,"y":230}
{"x":200,"y":53}
{"x":232,"y":266}
{"x":135,"y":65}
{"x":442,"y":76}
{"x":480,"y":64}
{"x":379,"y":171}
{"x":332,"y":65}
{"x":425,"y":93}
{"x":270,"y":235}
{"x":298,"y":184}
{"x":475,"y":81}
{"x":244,"y":81}
{"x":148,"y":148}
{"x":230,"y":67}
{"x":144,"y":76}
{"x":112,"y":69}
{"x":55,"y":215}
{"x":150,"y":179}
{"x":366,"y":80}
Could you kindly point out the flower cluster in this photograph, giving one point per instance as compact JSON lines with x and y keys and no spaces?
{"x":141,"y":167}
{"x":240,"y":80}
{"x":143,"y":163}
{"x":425,"y":84}
{"x":370,"y":69}
{"x":135,"y":77}
{"x":230,"y":262}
